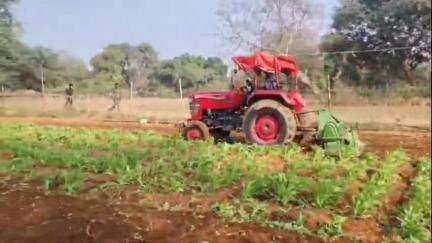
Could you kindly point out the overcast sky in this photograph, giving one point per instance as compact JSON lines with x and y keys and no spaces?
{"x":83,"y":27}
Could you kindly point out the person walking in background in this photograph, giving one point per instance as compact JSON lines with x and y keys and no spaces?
{"x":69,"y":92}
{"x":116,"y":98}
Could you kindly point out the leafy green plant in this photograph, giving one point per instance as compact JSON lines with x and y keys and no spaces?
{"x":329,"y":190}
{"x":242,"y":211}
{"x":377,"y":187}
{"x":225,"y":210}
{"x":415,"y":216}
{"x":297,"y":225}
{"x":17,"y":165}
{"x":334,"y":229}
{"x":282,"y":187}
{"x":71,"y":182}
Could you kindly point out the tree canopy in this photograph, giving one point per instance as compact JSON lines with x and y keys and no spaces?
{"x":140,"y":64}
{"x":400,"y":29}
{"x":20,"y":65}
{"x":193,"y":70}
{"x":276,"y":26}
{"x":125,"y":63}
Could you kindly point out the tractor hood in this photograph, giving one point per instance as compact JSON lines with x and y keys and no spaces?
{"x":211,"y":95}
{"x":221,"y":101}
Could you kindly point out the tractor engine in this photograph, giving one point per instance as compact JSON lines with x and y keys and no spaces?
{"x":223,"y":120}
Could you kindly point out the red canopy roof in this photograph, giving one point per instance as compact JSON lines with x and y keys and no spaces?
{"x":268,"y":63}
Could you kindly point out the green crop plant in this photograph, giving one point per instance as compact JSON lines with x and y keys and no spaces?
{"x":415,"y":215}
{"x":377,"y":187}
{"x":250,"y":210}
{"x":242,"y":211}
{"x":297,"y":225}
{"x":334,"y":229}
{"x":17,"y":165}
{"x":283,"y":187}
{"x":71,"y":182}
{"x":328,"y":191}
{"x":225,"y":210}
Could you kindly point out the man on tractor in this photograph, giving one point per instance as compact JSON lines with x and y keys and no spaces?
{"x":270,"y":81}
{"x":250,"y":87}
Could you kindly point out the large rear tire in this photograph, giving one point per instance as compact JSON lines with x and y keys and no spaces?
{"x":268,"y":122}
{"x":196,"y":130}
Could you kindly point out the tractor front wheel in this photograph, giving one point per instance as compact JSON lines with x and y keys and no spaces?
{"x":268,"y":122}
{"x":196,"y":130}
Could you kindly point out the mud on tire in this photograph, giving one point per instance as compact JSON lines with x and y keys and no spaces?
{"x":268,"y":122}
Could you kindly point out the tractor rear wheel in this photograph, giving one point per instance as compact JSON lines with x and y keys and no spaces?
{"x":196,"y":130}
{"x":268,"y":122}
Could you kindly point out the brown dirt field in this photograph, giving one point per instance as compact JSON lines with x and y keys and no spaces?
{"x":167,"y":129}
{"x":135,"y":217}
{"x":36,"y":216}
{"x":363,"y":230}
{"x":351,"y":192}
{"x":416,"y":144}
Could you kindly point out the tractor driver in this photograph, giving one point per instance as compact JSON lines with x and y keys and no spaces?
{"x":270,"y":81}
{"x":250,"y":87}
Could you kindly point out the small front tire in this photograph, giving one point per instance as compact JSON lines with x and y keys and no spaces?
{"x":196,"y":130}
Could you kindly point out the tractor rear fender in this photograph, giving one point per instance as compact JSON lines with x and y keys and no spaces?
{"x":293,"y":99}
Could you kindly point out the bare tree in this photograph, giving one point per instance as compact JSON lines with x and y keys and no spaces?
{"x":269,"y":25}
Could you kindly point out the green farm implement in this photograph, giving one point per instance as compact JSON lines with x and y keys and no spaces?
{"x":322,"y":128}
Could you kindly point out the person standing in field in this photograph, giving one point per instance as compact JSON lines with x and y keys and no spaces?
{"x":69,"y":92}
{"x":116,"y":98}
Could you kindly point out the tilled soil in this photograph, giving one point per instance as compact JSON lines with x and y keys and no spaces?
{"x":416,"y":144}
{"x":30,"y":214}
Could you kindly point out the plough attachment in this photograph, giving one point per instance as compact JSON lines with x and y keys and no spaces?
{"x":333,"y":135}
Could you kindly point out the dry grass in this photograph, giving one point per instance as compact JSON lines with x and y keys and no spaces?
{"x":416,"y":116}
{"x":173,"y":110}
{"x":161,"y":109}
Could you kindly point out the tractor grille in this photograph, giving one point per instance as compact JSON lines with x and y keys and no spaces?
{"x":194,"y":108}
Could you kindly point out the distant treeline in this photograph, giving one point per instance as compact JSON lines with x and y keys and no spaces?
{"x":279,"y":27}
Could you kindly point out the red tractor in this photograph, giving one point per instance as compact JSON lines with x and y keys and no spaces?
{"x":266,"y":113}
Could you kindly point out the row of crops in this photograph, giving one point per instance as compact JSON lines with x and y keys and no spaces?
{"x":159,"y":164}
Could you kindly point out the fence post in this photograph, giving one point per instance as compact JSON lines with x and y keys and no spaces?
{"x":180,"y":88}
{"x":42,"y":79}
{"x":329,"y":97}
{"x":131,"y":89}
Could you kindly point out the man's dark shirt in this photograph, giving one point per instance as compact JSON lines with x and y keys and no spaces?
{"x":69,"y":91}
